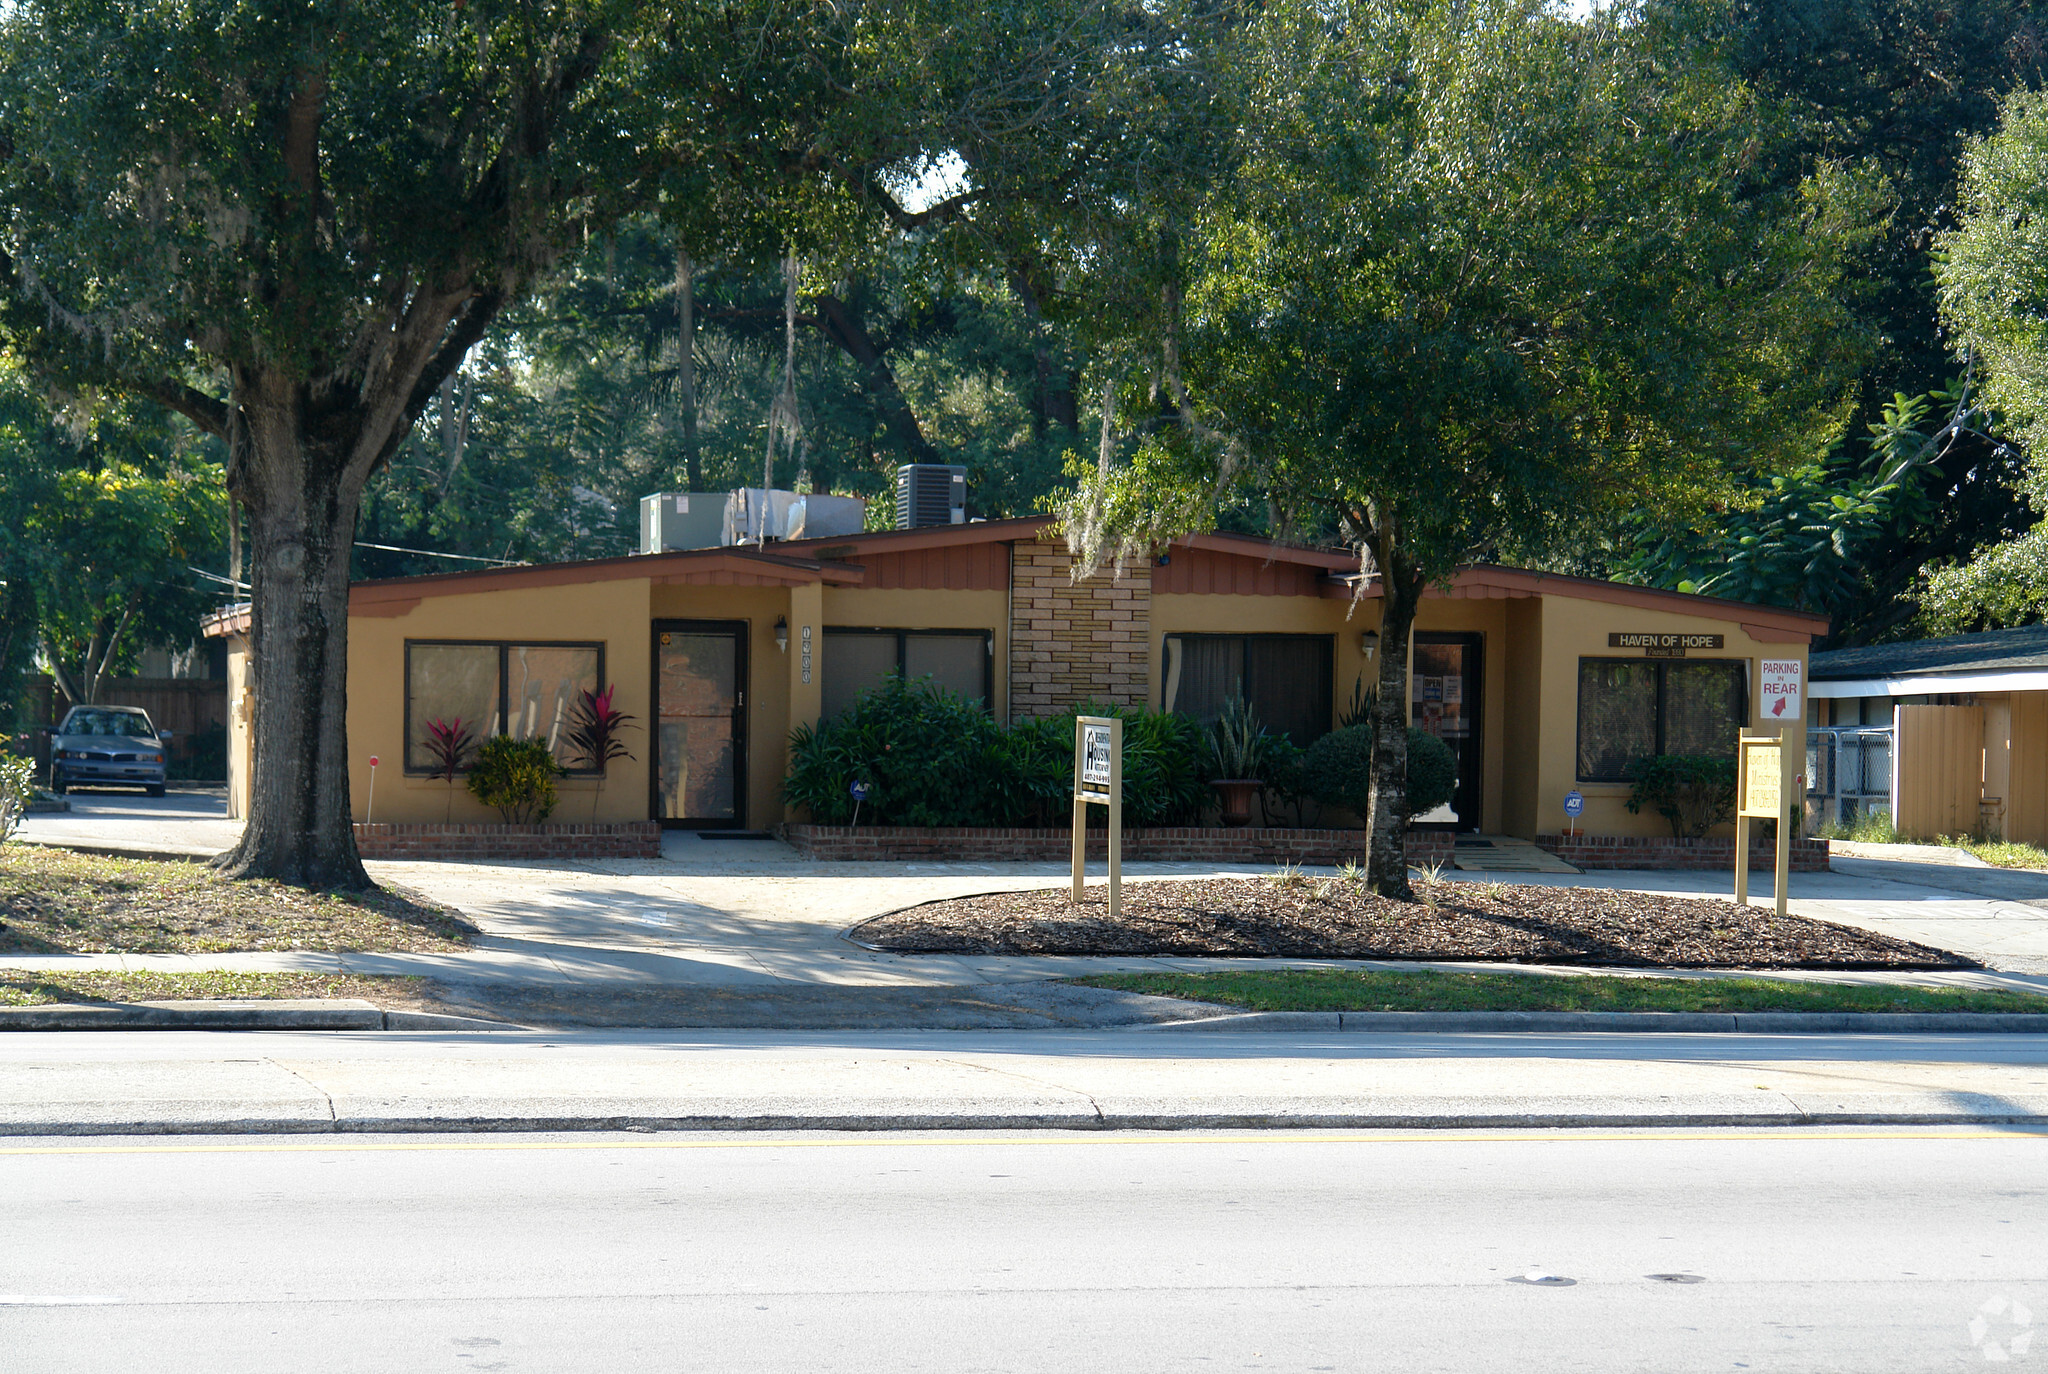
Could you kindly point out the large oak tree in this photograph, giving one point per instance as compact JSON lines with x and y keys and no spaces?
{"x":289,"y":222}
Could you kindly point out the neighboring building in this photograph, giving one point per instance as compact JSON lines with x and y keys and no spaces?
{"x":1541,"y":683}
{"x":1954,"y":730}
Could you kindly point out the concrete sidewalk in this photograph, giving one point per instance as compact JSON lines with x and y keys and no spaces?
{"x":88,"y":1084}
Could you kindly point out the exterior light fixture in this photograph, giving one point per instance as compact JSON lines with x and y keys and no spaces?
{"x":782,"y":633}
{"x":1369,"y":643}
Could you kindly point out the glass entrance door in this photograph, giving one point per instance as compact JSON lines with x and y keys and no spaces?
{"x":1444,"y":700}
{"x":700,"y":701}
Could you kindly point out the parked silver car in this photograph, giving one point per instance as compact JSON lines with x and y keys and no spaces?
{"x":107,"y":746}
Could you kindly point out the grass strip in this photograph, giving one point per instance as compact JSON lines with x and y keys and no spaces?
{"x":2003,"y":853}
{"x":25,"y":989}
{"x":1423,"y":990}
{"x":55,"y":901}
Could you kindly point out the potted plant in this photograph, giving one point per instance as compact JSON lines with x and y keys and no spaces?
{"x":1239,"y":750}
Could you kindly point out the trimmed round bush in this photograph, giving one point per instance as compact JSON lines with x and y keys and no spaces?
{"x":517,"y":776}
{"x":1337,"y":770}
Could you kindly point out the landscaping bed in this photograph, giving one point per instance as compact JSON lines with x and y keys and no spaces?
{"x":1292,"y":916}
{"x":1424,"y":990}
{"x":41,"y":989}
{"x":55,"y":901}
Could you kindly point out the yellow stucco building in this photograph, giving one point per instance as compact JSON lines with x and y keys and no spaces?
{"x":1542,"y":684}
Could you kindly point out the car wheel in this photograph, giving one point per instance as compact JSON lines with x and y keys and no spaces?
{"x":155,"y":789}
{"x":58,"y":786}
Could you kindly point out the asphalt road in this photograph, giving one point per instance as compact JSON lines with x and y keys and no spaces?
{"x":1811,"y":1251}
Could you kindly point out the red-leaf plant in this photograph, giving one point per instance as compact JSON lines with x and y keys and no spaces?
{"x":594,"y":729}
{"x":448,"y":744}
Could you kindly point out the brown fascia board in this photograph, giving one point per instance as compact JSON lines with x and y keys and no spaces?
{"x":1768,"y":624}
{"x":1266,"y":551}
{"x":655,"y":567}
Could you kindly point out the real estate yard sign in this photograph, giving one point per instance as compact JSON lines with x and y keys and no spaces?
{"x":1768,"y":786}
{"x":1099,"y":780}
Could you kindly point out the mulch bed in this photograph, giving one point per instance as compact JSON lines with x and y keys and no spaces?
{"x":1334,"y":919}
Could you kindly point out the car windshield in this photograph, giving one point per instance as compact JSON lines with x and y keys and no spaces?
{"x":108,"y":723}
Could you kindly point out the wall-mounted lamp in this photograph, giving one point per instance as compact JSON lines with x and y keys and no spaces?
{"x":782,"y":633}
{"x":1369,"y":643}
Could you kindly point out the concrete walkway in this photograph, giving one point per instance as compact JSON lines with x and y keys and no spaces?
{"x":736,"y":913}
{"x":88,"y":1083}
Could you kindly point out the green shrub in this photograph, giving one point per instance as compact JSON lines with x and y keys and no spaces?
{"x":933,"y":758}
{"x":1694,"y":792}
{"x":1166,"y":781}
{"x":517,"y":776}
{"x":17,"y":790}
{"x":929,"y":757}
{"x":1337,"y":770}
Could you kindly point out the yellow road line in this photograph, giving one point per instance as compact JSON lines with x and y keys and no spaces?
{"x":330,"y":1143}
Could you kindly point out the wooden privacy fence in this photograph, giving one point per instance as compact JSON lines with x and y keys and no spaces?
{"x":1938,"y":753}
{"x":194,"y":710}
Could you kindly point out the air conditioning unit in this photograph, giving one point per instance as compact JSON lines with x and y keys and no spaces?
{"x":681,"y":520}
{"x":930,"y":494}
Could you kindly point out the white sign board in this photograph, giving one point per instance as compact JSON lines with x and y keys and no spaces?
{"x":1095,"y":756}
{"x":1782,"y":698}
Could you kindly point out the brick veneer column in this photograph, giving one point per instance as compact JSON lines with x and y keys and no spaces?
{"x":1075,"y":641}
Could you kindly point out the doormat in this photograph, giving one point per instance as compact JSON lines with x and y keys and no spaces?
{"x":1471,"y":844}
{"x":734,"y":835}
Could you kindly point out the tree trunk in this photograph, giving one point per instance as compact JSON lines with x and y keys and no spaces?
{"x":303,"y":494}
{"x":686,"y":366}
{"x":1387,"y":825}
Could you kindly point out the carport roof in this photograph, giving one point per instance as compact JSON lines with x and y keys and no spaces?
{"x":1992,"y":651}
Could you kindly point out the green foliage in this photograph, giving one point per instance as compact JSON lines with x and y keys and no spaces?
{"x":1694,"y":792}
{"x":104,"y":508}
{"x":931,"y":757}
{"x":1801,"y":538}
{"x":928,"y":756}
{"x":517,"y":776}
{"x":1999,"y":587}
{"x":17,"y":790}
{"x":1993,"y":270}
{"x":1337,"y":770}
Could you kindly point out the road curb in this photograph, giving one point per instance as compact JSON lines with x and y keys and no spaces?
{"x":159,"y":853}
{"x":1633,"y":1022}
{"x":143,"y":1017}
{"x":1019,"y":1121}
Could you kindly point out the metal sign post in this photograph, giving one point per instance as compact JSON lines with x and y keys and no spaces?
{"x":1574,"y":804}
{"x":1099,"y":779}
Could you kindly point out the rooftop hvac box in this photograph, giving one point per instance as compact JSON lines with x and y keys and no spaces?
{"x":930,"y":494}
{"x":681,"y":520}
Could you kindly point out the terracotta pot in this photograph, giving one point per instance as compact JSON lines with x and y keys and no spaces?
{"x":1235,"y":795}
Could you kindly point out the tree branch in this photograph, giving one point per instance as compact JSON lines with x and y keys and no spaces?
{"x":198,"y":407}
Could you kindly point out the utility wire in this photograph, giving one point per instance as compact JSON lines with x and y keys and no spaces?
{"x":429,"y":553}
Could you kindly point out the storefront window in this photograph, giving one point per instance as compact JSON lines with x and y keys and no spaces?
{"x":1635,"y":708}
{"x":857,"y":660}
{"x":1285,"y":679}
{"x":527,"y":691}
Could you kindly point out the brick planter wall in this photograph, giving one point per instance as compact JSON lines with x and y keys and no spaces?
{"x":614,"y":840}
{"x":1662,"y":851}
{"x":1249,"y":845}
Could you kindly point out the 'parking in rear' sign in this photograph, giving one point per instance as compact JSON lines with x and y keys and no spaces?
{"x":1782,"y":700}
